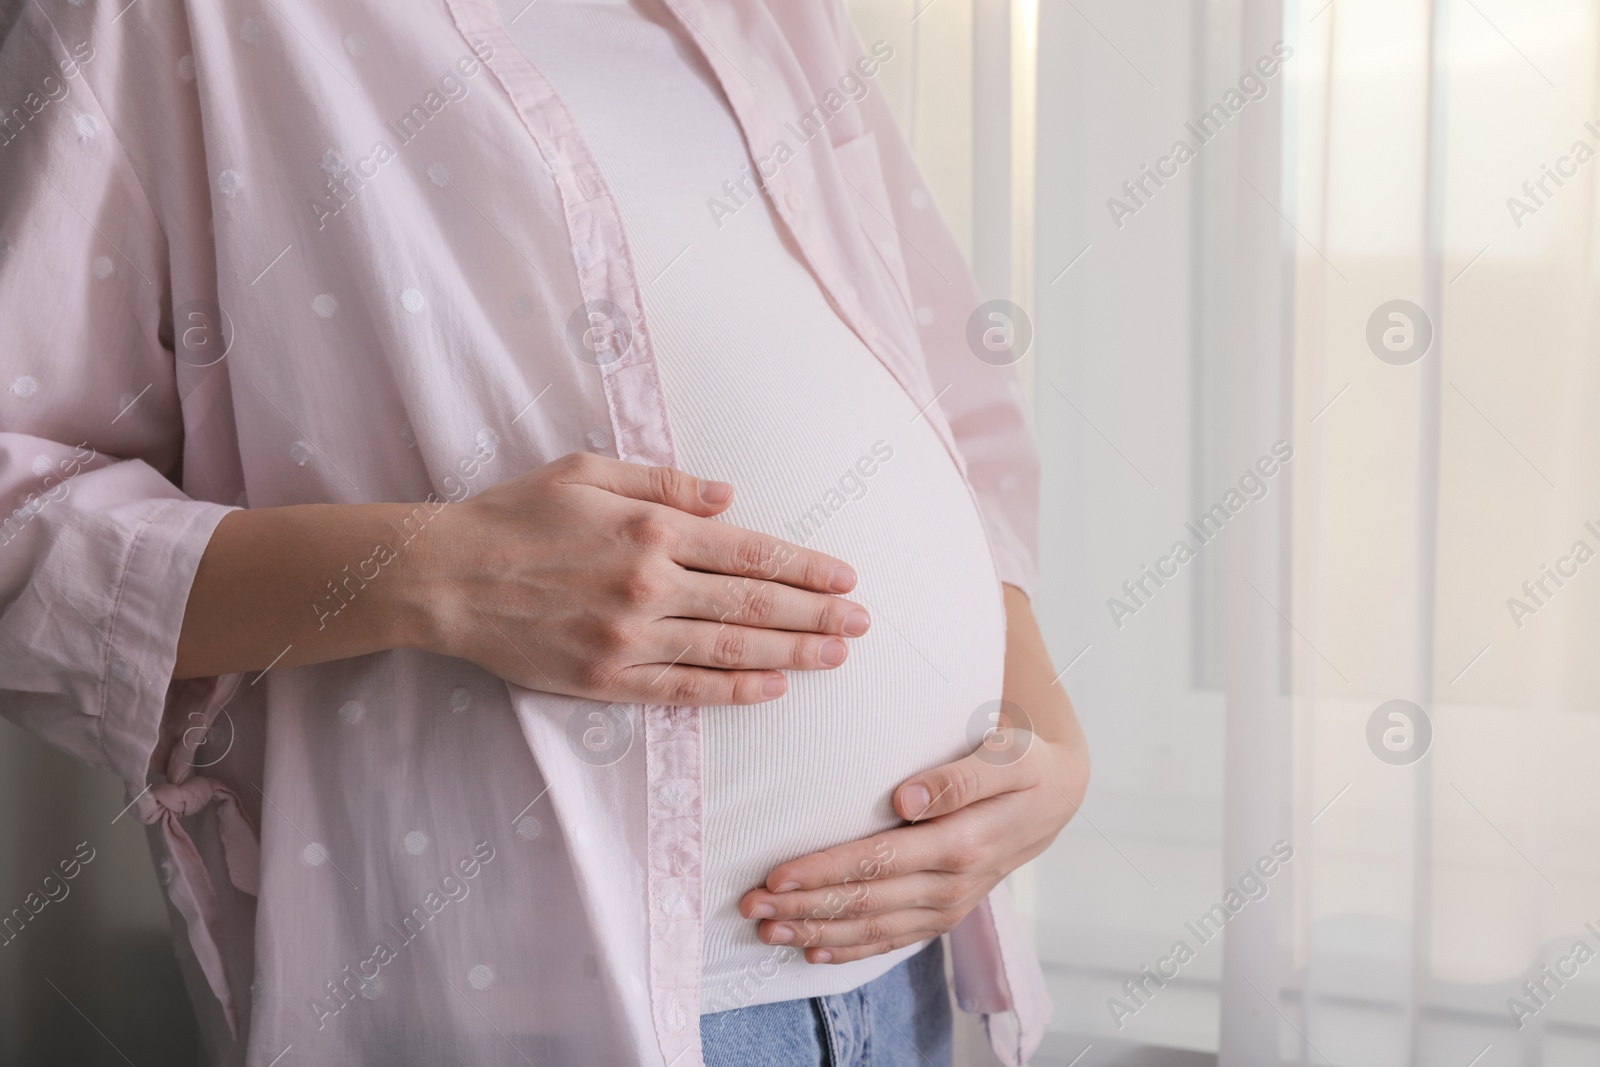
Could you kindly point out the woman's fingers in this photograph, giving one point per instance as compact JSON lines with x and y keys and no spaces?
{"x":974,"y":777}
{"x":679,"y":685}
{"x":730,"y":648}
{"x":708,"y":546}
{"x":770,"y":605}
{"x":844,"y":933}
{"x":935,"y":841}
{"x":930,"y":846}
{"x":719,"y":548}
{"x":850,"y":953}
{"x":920,"y":889}
{"x":658,"y":485}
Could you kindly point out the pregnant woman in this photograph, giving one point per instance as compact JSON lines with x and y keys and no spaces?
{"x":508,"y":489}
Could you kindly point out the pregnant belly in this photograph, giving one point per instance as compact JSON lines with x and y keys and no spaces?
{"x":818,"y":766}
{"x":769,"y":389}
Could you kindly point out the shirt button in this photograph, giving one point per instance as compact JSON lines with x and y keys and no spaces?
{"x":599,"y":439}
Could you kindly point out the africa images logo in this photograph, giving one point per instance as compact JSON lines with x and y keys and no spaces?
{"x":1254,"y":484}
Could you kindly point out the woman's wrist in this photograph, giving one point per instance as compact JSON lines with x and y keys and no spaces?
{"x":421,"y":606}
{"x":322,"y":582}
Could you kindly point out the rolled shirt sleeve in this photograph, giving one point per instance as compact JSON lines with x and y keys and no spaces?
{"x":98,"y":546}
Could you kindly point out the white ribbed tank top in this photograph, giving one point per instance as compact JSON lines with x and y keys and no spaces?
{"x":769,"y":389}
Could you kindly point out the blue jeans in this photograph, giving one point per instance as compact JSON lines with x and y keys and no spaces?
{"x":901,"y":1019}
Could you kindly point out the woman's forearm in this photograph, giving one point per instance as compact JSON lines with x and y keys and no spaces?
{"x":1030,"y":679}
{"x":307,"y":583}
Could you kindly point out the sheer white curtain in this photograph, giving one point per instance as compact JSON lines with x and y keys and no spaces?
{"x":1435,"y":890}
{"x":1348,"y":261}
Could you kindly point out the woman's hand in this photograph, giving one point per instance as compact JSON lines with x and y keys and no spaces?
{"x":608,"y":580}
{"x":973,"y":822}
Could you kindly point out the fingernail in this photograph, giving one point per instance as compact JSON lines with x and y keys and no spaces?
{"x":856,"y":623}
{"x":763,"y":911}
{"x":715,"y":492}
{"x":832,"y":652}
{"x":822,"y":956}
{"x":787,"y":887}
{"x":915,"y":799}
{"x":842,"y":579}
{"x":780,"y":935}
{"x":774,"y":686}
